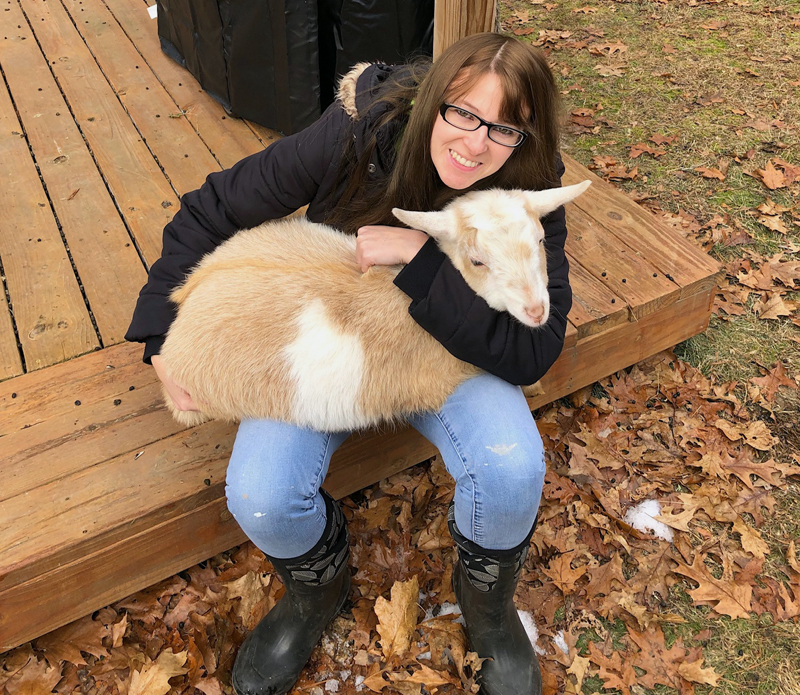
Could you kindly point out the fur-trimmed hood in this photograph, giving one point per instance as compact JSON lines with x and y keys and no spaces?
{"x":346,"y":94}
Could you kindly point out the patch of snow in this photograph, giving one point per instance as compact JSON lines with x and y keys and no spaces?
{"x":642,"y":518}
{"x":360,"y":683}
{"x":560,"y":642}
{"x":446,"y":609}
{"x":344,"y":675}
{"x":332,"y":685}
{"x":530,"y":628}
{"x":424,"y":655}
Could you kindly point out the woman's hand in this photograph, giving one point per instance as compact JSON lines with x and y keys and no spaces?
{"x":382,"y":245}
{"x":180,"y":397}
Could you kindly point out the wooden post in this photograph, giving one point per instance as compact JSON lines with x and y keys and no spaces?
{"x":454,"y":19}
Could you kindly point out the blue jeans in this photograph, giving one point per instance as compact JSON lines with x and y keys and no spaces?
{"x":485,"y":433}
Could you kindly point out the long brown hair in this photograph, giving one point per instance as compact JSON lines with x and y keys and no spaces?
{"x":530,"y":103}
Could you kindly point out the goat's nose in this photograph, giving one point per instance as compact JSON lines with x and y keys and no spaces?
{"x":535,"y":312}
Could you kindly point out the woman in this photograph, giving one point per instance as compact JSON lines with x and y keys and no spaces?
{"x":484,"y":115}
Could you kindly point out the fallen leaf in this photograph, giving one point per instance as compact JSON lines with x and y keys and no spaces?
{"x":397,"y":618}
{"x":562,"y":574}
{"x":771,"y":177}
{"x":695,"y":673}
{"x":773,"y":308}
{"x":710,"y":173}
{"x":153,"y":678}
{"x":772,"y":381}
{"x":725,"y":596}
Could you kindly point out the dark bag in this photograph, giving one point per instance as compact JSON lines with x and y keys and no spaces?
{"x":275,"y":62}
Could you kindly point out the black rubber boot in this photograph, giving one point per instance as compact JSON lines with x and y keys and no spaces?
{"x":484,"y":582}
{"x":317,"y":583}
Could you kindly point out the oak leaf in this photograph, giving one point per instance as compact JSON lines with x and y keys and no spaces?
{"x":773,"y":307}
{"x":153,"y":678}
{"x":659,"y":663}
{"x":709,"y":173}
{"x":67,"y":643}
{"x":615,"y":672}
{"x":33,"y":678}
{"x":602,"y":577}
{"x":771,"y":177}
{"x":725,"y":596}
{"x":397,"y":618}
{"x":562,"y":574}
{"x":695,"y":673}
{"x":772,"y":380}
{"x":756,"y":433}
{"x":578,"y":670}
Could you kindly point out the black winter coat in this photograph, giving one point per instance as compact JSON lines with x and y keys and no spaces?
{"x":303,"y":169}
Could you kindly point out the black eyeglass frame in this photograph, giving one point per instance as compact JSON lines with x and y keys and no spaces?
{"x":443,"y":110}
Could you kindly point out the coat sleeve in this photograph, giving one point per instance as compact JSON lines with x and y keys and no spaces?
{"x":449,"y":309}
{"x":264,"y":186}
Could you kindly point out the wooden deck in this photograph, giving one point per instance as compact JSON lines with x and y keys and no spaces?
{"x":100,"y":134}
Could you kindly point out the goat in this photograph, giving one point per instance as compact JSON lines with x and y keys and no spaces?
{"x":279,"y":322}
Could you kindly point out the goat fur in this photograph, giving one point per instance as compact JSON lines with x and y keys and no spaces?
{"x":279,"y":322}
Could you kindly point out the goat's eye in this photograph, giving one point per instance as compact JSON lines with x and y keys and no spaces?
{"x":476,"y":262}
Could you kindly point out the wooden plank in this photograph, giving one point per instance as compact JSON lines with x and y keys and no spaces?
{"x":182,"y":154}
{"x":140,"y":188}
{"x":595,"y":308}
{"x":112,"y":501}
{"x":455,"y":19}
{"x":64,"y":445}
{"x":684,"y":263}
{"x":52,"y":599}
{"x":38,"y":396}
{"x":623,"y":346}
{"x":625,"y":271}
{"x":107,"y":262}
{"x":228,"y":138}
{"x":49,"y":310}
{"x":10,"y":360}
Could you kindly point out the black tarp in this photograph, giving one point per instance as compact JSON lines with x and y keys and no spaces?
{"x":275,"y":62}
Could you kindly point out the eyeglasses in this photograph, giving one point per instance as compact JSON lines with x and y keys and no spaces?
{"x":465,"y":120}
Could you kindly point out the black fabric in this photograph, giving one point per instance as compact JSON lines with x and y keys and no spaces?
{"x":260,"y":60}
{"x":304,"y":169}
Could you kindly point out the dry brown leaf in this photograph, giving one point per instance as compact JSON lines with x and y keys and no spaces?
{"x":641,"y":148}
{"x":771,"y":177}
{"x":251,"y":589}
{"x":67,"y":643}
{"x":617,"y":672}
{"x":773,"y":308}
{"x":209,"y":686}
{"x":776,"y":224}
{"x":695,"y":673}
{"x":153,"y":678}
{"x":611,"y":69}
{"x":562,"y":574}
{"x":34,"y":677}
{"x":578,"y":670}
{"x":752,"y":542}
{"x":772,"y":381}
{"x":725,"y":596}
{"x":659,"y":662}
{"x":709,"y":173}
{"x":755,"y":433}
{"x":397,"y":618}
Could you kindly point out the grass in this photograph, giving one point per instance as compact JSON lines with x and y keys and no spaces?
{"x":718,"y":76}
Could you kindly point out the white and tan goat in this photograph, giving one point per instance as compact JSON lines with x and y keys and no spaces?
{"x":279,"y":322}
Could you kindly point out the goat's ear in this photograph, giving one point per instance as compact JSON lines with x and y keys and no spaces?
{"x":440,"y":224}
{"x":540,"y":203}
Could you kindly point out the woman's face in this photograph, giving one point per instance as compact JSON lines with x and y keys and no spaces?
{"x":463,"y":157}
